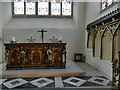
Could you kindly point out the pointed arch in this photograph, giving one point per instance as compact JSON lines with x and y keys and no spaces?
{"x":94,"y":36}
{"x":106,"y":29}
{"x":90,"y":41}
{"x":115,"y":45}
{"x":106,"y":42}
{"x":97,"y":44}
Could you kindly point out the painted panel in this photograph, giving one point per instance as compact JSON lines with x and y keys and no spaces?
{"x":35,"y":55}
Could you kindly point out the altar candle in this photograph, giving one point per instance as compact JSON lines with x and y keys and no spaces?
{"x":13,"y":38}
{"x":27,"y":37}
{"x":31,"y":36}
{"x":60,"y":38}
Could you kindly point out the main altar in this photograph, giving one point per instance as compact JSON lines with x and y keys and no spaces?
{"x":35,"y":55}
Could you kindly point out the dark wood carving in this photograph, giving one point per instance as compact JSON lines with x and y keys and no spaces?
{"x":35,"y":55}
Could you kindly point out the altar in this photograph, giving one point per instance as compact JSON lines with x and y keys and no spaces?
{"x":35,"y":55}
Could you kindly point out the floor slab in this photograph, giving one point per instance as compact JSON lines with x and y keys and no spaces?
{"x":56,"y":82}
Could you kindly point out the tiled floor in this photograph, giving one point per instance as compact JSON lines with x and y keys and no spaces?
{"x":93,"y":78}
{"x":89,"y":70}
{"x":43,"y":82}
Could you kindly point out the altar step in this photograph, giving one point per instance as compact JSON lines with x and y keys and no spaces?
{"x":52,"y":74}
{"x":35,"y":66}
{"x":71,"y":69}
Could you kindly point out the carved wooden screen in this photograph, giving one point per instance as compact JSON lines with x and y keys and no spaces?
{"x":90,"y":41}
{"x":116,"y":46}
{"x":106,"y":38}
{"x":114,"y":29}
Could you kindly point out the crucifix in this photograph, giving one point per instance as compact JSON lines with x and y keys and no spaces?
{"x":42,"y":34}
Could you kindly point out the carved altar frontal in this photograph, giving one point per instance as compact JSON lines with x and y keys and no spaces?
{"x":35,"y":55}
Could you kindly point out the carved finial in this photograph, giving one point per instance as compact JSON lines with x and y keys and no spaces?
{"x":103,"y":23}
{"x":113,"y":19}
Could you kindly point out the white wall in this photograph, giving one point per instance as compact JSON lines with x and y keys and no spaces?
{"x":92,"y":14}
{"x":71,"y":33}
{"x":108,"y":10}
{"x":102,"y":65}
{"x":0,"y":32}
{"x":6,"y":13}
{"x":92,"y":11}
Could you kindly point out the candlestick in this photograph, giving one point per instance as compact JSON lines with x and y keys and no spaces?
{"x":53,"y":35}
{"x":53,"y":39}
{"x":31,"y":39}
{"x":60,"y":38}
{"x":13,"y":38}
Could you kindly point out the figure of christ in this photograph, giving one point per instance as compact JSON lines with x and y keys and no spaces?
{"x":7,"y":56}
{"x":49,"y":53}
{"x":44,"y":56}
{"x":15,"y":57}
{"x":23,"y":56}
{"x":57,"y":56}
{"x":36,"y":56}
{"x":28,"y":56}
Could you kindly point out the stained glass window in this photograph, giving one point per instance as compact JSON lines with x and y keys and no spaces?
{"x":66,"y":7}
{"x":55,"y":7}
{"x":103,"y":4}
{"x":37,"y":8}
{"x":109,"y":2}
{"x":18,"y":7}
{"x":43,"y":7}
{"x":30,"y":7}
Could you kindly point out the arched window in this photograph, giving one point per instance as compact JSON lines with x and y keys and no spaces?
{"x":40,"y":8}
